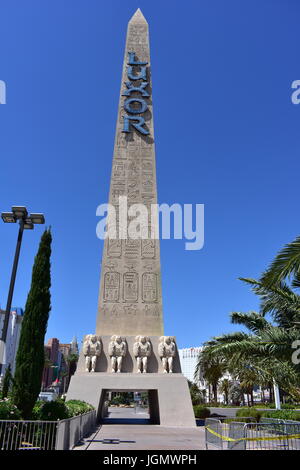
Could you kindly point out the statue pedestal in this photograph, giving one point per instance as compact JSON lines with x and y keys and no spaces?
{"x":169,"y":396}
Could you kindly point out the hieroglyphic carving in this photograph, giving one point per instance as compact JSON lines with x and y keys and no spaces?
{"x":114,"y":248}
{"x":132,"y":184}
{"x":147,"y":167}
{"x":118,"y":169}
{"x":105,"y":311}
{"x":133,"y":195}
{"x":148,"y":198}
{"x":115,"y":311}
{"x":147,"y":183}
{"x":122,"y":139}
{"x":120,"y":185}
{"x":148,"y":248}
{"x":151,"y":311}
{"x":116,"y":193}
{"x":130,"y":287}
{"x":130,"y":309}
{"x":111,"y":286}
{"x":132,"y":248}
{"x":135,"y":153}
{"x":149,"y":287}
{"x":133,"y":169}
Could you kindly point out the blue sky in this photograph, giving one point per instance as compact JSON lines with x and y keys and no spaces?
{"x":227,"y":136}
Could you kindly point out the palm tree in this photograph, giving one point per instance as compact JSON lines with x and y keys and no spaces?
{"x":285,"y":265}
{"x":224,"y":388}
{"x":259,"y":356}
{"x":264,"y":352}
{"x":196,"y":393}
{"x":211,"y":369}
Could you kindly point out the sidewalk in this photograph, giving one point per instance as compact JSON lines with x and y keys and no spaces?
{"x":144,"y":437}
{"x":141,"y":436}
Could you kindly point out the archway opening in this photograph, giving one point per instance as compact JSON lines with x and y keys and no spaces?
{"x":129,"y":407}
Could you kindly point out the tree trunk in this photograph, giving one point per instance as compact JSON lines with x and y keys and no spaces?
{"x":271,"y":399}
{"x":252,"y":399}
{"x":215,"y":392}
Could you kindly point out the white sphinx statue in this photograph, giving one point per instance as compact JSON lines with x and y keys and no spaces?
{"x":166,"y":351}
{"x":142,"y":349}
{"x":92,"y":348}
{"x":117,"y":349}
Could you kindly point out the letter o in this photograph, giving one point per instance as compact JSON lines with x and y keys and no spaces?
{"x":143,"y":108}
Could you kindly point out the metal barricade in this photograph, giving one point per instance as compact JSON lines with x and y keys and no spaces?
{"x":45,"y":435}
{"x":247,"y":434}
{"x":218,"y":431}
{"x":213,"y":433}
{"x":28,"y":435}
{"x":282,"y":435}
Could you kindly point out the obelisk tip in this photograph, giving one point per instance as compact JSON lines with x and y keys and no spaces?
{"x":138,"y":17}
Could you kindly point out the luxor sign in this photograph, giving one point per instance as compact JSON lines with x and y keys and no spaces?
{"x":134,"y":105}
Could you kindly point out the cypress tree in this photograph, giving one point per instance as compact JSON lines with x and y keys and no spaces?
{"x":6,"y":382}
{"x":30,"y":356}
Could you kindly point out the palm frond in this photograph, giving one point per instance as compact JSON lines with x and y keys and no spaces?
{"x":286,"y":263}
{"x":252,"y":320}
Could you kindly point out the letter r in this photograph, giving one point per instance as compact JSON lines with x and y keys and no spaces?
{"x":137,"y":125}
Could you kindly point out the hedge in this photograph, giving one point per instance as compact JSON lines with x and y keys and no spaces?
{"x":46,"y":411}
{"x":201,"y":412}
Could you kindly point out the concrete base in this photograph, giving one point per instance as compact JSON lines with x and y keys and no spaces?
{"x":169,"y":397}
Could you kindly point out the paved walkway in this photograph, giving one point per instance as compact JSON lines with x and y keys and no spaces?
{"x":141,"y":436}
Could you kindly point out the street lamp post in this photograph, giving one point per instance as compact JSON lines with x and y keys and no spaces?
{"x":26,"y":222}
{"x":276,"y":395}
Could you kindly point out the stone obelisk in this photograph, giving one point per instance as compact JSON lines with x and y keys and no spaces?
{"x":130,"y":298}
{"x":129,"y":351}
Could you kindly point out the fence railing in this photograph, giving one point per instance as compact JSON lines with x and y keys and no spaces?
{"x":268,"y":434}
{"x":71,"y":431}
{"x":45,"y":435}
{"x":24,"y":435}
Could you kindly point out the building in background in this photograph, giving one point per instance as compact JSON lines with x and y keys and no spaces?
{"x":188,"y":360}
{"x":13,"y":336}
{"x":50,"y":372}
{"x":69,"y":348}
{"x":58,"y":368}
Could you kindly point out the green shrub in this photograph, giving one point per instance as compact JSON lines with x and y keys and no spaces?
{"x":288,"y":406}
{"x":278,"y":414}
{"x":261,"y":405}
{"x":50,"y":410}
{"x":248,"y":412}
{"x":118,"y":400}
{"x":8,"y":410}
{"x":37,"y":409}
{"x":78,"y":407}
{"x":283,"y":414}
{"x":201,"y":412}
